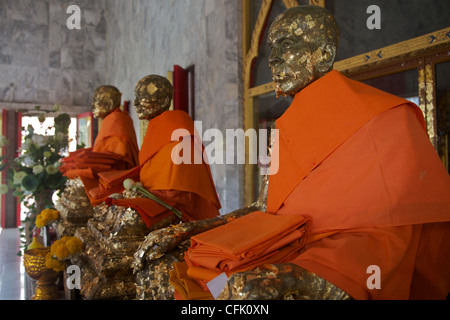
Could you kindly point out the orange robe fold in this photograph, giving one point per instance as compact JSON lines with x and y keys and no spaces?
{"x":187,"y":186}
{"x":115,"y":147}
{"x":359,"y":165}
{"x":244,"y":244}
{"x":185,"y":287}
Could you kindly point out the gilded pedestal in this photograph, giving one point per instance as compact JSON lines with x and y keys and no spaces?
{"x":74,"y":208}
{"x":111,"y":238}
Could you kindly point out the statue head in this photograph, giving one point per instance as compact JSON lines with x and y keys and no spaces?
{"x":303,"y":42}
{"x":153,"y":96}
{"x":106,"y":99}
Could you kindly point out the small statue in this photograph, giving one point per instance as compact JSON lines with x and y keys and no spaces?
{"x":185,"y":188}
{"x":115,"y":147}
{"x":74,"y":204}
{"x":108,"y":235}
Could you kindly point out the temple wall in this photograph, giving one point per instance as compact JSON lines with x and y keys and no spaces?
{"x":151,"y":36}
{"x":42,"y":62}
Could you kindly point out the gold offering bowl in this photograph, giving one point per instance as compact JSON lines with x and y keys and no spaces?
{"x":34,"y":261}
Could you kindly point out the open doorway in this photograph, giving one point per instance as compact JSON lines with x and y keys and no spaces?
{"x":46,"y":128}
{"x":42,"y":128}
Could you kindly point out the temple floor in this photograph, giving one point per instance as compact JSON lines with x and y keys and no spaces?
{"x":12,"y":271}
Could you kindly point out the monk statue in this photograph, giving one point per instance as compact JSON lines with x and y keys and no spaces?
{"x":127,"y":215}
{"x":162,"y":193}
{"x":115,"y":147}
{"x":357,"y":164}
{"x":185,"y":190}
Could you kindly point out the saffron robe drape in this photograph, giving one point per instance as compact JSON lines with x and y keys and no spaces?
{"x":358,"y":164}
{"x":115,"y":148}
{"x":188,"y":185}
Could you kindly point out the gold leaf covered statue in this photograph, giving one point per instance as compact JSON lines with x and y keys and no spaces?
{"x":357,"y":164}
{"x":115,"y":147}
{"x":188,"y":186}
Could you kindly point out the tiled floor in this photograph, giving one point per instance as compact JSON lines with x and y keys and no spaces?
{"x":12,"y":272}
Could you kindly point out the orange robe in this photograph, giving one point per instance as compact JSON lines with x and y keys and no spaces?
{"x":357,"y":162}
{"x":187,"y":186}
{"x":115,"y":147}
{"x":242,"y":244}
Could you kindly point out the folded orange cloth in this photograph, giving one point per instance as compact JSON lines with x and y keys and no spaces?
{"x":109,"y":179}
{"x":86,"y":163}
{"x":248,"y":242}
{"x":115,"y":145}
{"x":203,"y":274}
{"x":154,"y":212}
{"x":185,"y":288}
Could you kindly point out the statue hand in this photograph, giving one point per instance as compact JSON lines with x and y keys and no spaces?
{"x":160,"y":241}
{"x":264,"y":283}
{"x":279,"y":281}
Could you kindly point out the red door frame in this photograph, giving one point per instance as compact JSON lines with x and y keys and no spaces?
{"x":3,"y":197}
{"x":19,"y":144}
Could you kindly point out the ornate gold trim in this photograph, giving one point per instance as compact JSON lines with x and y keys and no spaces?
{"x":290,"y":3}
{"x":379,"y":56}
{"x":430,"y":108}
{"x":317,"y":2}
{"x":249,"y":55}
{"x":411,"y":46}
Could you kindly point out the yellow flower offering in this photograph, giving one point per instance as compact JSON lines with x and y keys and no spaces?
{"x":74,"y":245}
{"x":41,"y":221}
{"x":53,"y":263}
{"x":46,"y":216}
{"x":65,"y":247}
{"x":62,"y":252}
{"x":50,"y":214}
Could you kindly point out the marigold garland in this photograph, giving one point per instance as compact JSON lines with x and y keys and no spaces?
{"x":62,"y":249}
{"x":53,"y":263}
{"x":46,"y":216}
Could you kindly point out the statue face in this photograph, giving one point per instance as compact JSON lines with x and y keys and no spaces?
{"x":100,"y":108}
{"x":153,"y":97}
{"x":300,"y":52}
{"x":106,"y":100}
